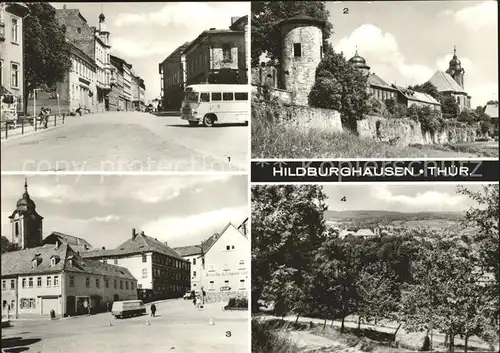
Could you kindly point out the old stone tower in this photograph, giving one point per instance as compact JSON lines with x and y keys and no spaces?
{"x":455,"y":69}
{"x":301,"y":53}
{"x":26,"y":223}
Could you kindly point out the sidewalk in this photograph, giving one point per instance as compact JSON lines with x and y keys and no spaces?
{"x":30,"y":129}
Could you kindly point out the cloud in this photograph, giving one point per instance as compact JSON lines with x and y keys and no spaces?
{"x":482,"y":92}
{"x":429,"y":200}
{"x":105,"y":219}
{"x":382,"y":52}
{"x":185,"y":14}
{"x":192,"y":229}
{"x":140,"y":49}
{"x":476,"y":17}
{"x":443,"y":62}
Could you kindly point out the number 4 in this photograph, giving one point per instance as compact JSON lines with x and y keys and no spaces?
{"x":343,"y":199}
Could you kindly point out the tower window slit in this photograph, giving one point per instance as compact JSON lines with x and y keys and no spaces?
{"x":297,"y":50}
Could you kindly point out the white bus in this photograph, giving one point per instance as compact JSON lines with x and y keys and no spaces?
{"x":215,"y":104}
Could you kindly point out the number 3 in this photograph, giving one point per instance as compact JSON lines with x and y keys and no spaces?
{"x":228,"y":333}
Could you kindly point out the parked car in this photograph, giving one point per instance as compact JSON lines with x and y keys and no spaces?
{"x":188,"y":295}
{"x":128,"y":308}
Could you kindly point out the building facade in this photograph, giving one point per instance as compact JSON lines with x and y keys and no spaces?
{"x":116,"y":100}
{"x":161,"y":272}
{"x":126,"y":70}
{"x":491,"y":110}
{"x":173,"y":78}
{"x":54,"y":277}
{"x":11,"y":58}
{"x":95,"y":43}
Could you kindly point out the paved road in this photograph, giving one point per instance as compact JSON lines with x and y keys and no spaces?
{"x":128,"y":141}
{"x":178,"y":327}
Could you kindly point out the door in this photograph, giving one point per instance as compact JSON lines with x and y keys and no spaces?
{"x":49,"y":304}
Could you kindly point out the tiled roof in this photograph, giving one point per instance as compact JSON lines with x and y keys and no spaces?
{"x":417,"y":96}
{"x":21,"y":263}
{"x":195,"y":249}
{"x":138,"y":245}
{"x":445,"y":83}
{"x":365,"y":232}
{"x":491,"y":110}
{"x":375,"y":80}
{"x":76,"y":243}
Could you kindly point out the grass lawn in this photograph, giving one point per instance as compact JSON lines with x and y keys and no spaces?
{"x":281,"y":140}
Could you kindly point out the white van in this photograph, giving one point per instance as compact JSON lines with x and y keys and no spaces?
{"x":128,"y":308}
{"x":211,"y":104}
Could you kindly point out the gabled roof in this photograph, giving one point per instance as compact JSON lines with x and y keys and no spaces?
{"x":445,"y":83}
{"x":76,"y":243}
{"x":196,"y":249}
{"x":491,"y":110}
{"x":239,"y":22}
{"x":364,"y":232}
{"x":208,"y":33}
{"x":375,"y":80}
{"x":141,"y":243}
{"x":417,"y":96}
{"x":222,"y":233}
{"x":176,"y":52}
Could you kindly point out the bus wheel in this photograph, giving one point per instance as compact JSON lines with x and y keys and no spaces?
{"x":208,"y":120}
{"x":193,"y":123}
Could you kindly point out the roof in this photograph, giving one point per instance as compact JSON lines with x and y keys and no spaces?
{"x":208,"y":33}
{"x":207,"y":87}
{"x":82,"y":54}
{"x":417,"y":96}
{"x":364,"y":232}
{"x":239,"y":21}
{"x":120,"y":61}
{"x":177,"y":51}
{"x":21,"y":263}
{"x":196,"y":249}
{"x":302,"y":19}
{"x":445,"y":83}
{"x":375,"y":80}
{"x":76,"y":243}
{"x":214,"y":240}
{"x":491,"y":110}
{"x":141,"y":243}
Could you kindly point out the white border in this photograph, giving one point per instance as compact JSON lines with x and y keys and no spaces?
{"x":249,"y":171}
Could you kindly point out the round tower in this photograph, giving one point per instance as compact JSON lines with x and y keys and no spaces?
{"x":359,"y":63}
{"x":301,"y":53}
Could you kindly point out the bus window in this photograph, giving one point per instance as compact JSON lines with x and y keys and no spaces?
{"x":204,"y":97}
{"x":191,"y":97}
{"x":241,"y":96}
{"x":216,"y":96}
{"x":227,"y":96}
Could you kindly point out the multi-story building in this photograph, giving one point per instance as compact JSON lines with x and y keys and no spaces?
{"x":138,"y":93}
{"x":142,"y":95}
{"x":77,"y":90}
{"x":95,"y":43}
{"x":37,"y":280}
{"x":11,"y":58}
{"x":221,"y":264}
{"x":161,"y":271}
{"x":116,"y":96}
{"x":126,"y":69}
{"x":173,"y":78}
{"x":215,"y":56}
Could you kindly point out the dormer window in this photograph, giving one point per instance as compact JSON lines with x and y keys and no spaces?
{"x":54,"y":260}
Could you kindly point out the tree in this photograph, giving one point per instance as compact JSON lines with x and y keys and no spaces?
{"x":427,"y":88}
{"x":266,"y":35}
{"x":46,"y":53}
{"x":467,"y":116}
{"x":340,"y":87}
{"x":7,"y":246}
{"x":450,"y":108}
{"x":287,"y":228}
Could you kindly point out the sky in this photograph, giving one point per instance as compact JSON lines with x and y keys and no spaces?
{"x":418,"y":197}
{"x":103,"y":210}
{"x":145,"y":33}
{"x":406,"y":42}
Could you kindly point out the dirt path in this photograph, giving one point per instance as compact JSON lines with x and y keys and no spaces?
{"x":309,"y":343}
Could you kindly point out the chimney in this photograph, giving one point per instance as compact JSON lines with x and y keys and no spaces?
{"x":103,"y":248}
{"x":64,"y":7}
{"x":133,"y":233}
{"x":142,"y":232}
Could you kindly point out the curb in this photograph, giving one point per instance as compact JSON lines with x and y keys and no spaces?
{"x":18,"y":136}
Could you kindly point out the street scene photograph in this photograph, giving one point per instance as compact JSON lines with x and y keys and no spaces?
{"x":353,"y":79}
{"x":386,"y":268}
{"x":124,"y":86}
{"x":125,"y":264}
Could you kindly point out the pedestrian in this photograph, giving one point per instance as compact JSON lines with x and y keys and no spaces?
{"x":86,"y":307}
{"x":108,"y":306}
{"x":153,"y":310}
{"x":203,"y":293}
{"x":90,"y":309}
{"x":194,"y":300}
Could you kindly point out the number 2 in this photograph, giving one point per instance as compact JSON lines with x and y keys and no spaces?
{"x":345,"y":11}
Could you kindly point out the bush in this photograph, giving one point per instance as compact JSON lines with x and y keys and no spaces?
{"x":237,"y":303}
{"x":268,"y":339}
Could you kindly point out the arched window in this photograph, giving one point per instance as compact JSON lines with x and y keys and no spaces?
{"x":16,"y":228}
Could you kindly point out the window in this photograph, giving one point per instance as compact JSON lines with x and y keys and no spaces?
{"x":106,"y":283}
{"x":226,"y":52}
{"x":1,"y":76}
{"x":121,"y":284}
{"x":297,"y":50}
{"x":144,"y":272}
{"x":30,"y":282}
{"x":27,"y":303}
{"x":132,"y":285}
{"x":49,"y":281}
{"x":228,"y":247}
{"x":4,"y":285}
{"x":39,"y":281}
{"x":97,"y":283}
{"x":194,"y":273}
{"x":227,"y":96}
{"x":242,"y":263}
{"x":53,"y":261}
{"x":211,"y":285}
{"x":104,"y":261}
{"x":56,"y":281}
{"x":321,"y":51}
{"x":232,"y":247}
{"x":194,"y":261}
{"x":87,"y":282}
{"x":79,"y":30}
{"x":226,"y":282}
{"x":14,"y":74}
{"x":15,"y":30}
{"x":204,"y":97}
{"x":216,"y":96}
{"x":126,"y":285}
{"x":71,"y":281}
{"x":144,"y":258}
{"x":242,"y":284}
{"x":114,"y":283}
{"x":116,"y":262}
{"x":12,"y":284}
{"x":241,"y":96}
{"x":24,"y":283}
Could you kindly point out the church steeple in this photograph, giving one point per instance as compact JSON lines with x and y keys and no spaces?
{"x":26,"y":222}
{"x":455,"y":69}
